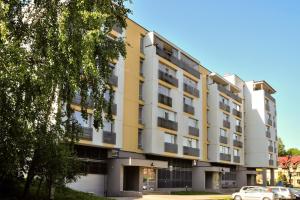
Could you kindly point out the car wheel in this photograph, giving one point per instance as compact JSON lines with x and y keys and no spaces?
{"x":266,"y":198}
{"x":237,"y":197}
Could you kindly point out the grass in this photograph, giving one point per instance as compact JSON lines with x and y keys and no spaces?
{"x":69,"y":194}
{"x":192,"y":193}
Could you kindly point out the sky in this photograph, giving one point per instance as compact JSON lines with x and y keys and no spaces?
{"x":257,"y":40}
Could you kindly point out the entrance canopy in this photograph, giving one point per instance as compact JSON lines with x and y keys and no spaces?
{"x":144,"y":163}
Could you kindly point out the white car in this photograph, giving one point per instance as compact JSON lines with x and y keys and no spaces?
{"x":254,"y":193}
{"x":283,"y":192}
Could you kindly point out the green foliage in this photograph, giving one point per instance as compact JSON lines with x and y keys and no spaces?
{"x":293,"y":152}
{"x":49,"y":52}
{"x":281,"y":148}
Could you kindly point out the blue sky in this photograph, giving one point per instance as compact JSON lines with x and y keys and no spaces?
{"x":255,"y":39}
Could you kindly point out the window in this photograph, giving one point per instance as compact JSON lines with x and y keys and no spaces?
{"x":236,"y":152}
{"x":141,"y":114}
{"x":169,"y":138}
{"x":270,"y":156}
{"x":167,"y":70}
{"x":142,"y":44}
{"x":164,"y":90}
{"x":266,"y":101}
{"x":188,"y":101}
{"x":298,"y":181}
{"x":270,"y":143}
{"x":237,"y":107}
{"x":193,"y":123}
{"x":140,"y":138}
{"x":238,"y":122}
{"x":190,"y":82}
{"x":267,"y":128}
{"x":108,"y":126}
{"x":189,"y":142}
{"x":113,"y":68}
{"x":189,"y":61}
{"x":166,"y":114}
{"x":224,"y":150}
{"x":225,"y":117}
{"x":84,"y":123}
{"x":223,"y":132}
{"x":224,"y":100}
{"x":141,"y":90}
{"x":142,"y":67}
{"x":236,"y":137}
{"x":269,"y":116}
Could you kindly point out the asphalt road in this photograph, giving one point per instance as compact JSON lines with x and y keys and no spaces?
{"x":176,"y":197}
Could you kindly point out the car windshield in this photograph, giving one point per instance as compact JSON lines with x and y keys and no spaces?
{"x":293,"y":190}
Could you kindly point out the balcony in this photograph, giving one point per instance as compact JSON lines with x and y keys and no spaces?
{"x":268,"y":134}
{"x":226,"y":124}
{"x":271,"y":162}
{"x":109,"y":137}
{"x":267,"y":107}
{"x":236,"y":113}
{"x":113,"y":80}
{"x":188,"y":109}
{"x":191,"y":90}
{"x":77,"y":100}
{"x":117,"y":28}
{"x":225,"y":157}
{"x":275,"y":150}
{"x":223,"y":106}
{"x":223,"y":139}
{"x":270,"y":148}
{"x":183,"y":65}
{"x":113,"y":108}
{"x":87,"y":133}
{"x":165,"y":123}
{"x":171,"y":148}
{"x":270,"y":97}
{"x":238,"y":129}
{"x":189,"y":151}
{"x":236,"y":159}
{"x":237,"y":143}
{"x":167,"y":78}
{"x":269,"y":122}
{"x":194,"y":131}
{"x":165,"y":99}
{"x":229,"y":93}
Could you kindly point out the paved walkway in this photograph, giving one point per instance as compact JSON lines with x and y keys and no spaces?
{"x":176,"y":197}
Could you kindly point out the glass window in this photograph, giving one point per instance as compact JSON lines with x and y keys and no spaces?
{"x":189,"y":142}
{"x":140,"y":138}
{"x":188,"y":101}
{"x":141,"y":67}
{"x":236,"y":137}
{"x":270,"y":143}
{"x":237,"y":107}
{"x":225,"y":117}
{"x":167,"y":70}
{"x":238,"y":122}
{"x":141,"y":90}
{"x":108,"y":126}
{"x":140,"y":114}
{"x":169,"y":138}
{"x":166,"y":114}
{"x":224,"y":150}
{"x":190,"y":82}
{"x":224,"y":100}
{"x":270,"y":156}
{"x":142,"y":43}
{"x":84,"y":123}
{"x":163,"y":90}
{"x":236,"y":152}
{"x":223,"y":132}
{"x":193,"y":123}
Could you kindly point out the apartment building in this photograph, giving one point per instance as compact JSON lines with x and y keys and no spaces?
{"x":176,"y":124}
{"x":288,"y":170}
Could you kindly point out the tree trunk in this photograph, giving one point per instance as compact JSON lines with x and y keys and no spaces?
{"x":28,"y":182}
{"x":39,"y":187}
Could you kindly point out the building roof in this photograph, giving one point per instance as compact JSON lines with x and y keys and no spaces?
{"x":284,"y":161}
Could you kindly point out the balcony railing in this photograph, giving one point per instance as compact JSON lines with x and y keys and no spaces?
{"x":223,"y":106}
{"x":271,"y":162}
{"x":165,"y":100}
{"x":236,"y":159}
{"x":267,"y":107}
{"x":270,"y":148}
{"x":238,"y":129}
{"x":188,"y":109}
{"x":270,"y":97}
{"x":113,"y":108}
{"x":194,"y":131}
{"x":168,"y":55}
{"x":268,"y":134}
{"x":113,"y":80}
{"x":77,"y":100}
{"x":226,"y":124}
{"x":269,"y":122}
{"x":168,"y":78}
{"x":191,"y":151}
{"x":165,"y":123}
{"x":225,"y":157}
{"x":236,"y":113}
{"x":237,"y":143}
{"x":229,"y":93}
{"x":223,"y":139}
{"x":87,"y":133}
{"x":191,"y":90}
{"x":171,"y":148}
{"x":109,"y":137}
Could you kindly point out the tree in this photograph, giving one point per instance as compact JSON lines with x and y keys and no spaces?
{"x":281,"y":148}
{"x":293,"y":152}
{"x":49,"y":52}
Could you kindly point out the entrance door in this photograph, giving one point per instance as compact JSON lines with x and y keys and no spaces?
{"x":208,"y":180}
{"x":149,"y":179}
{"x":131,"y":178}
